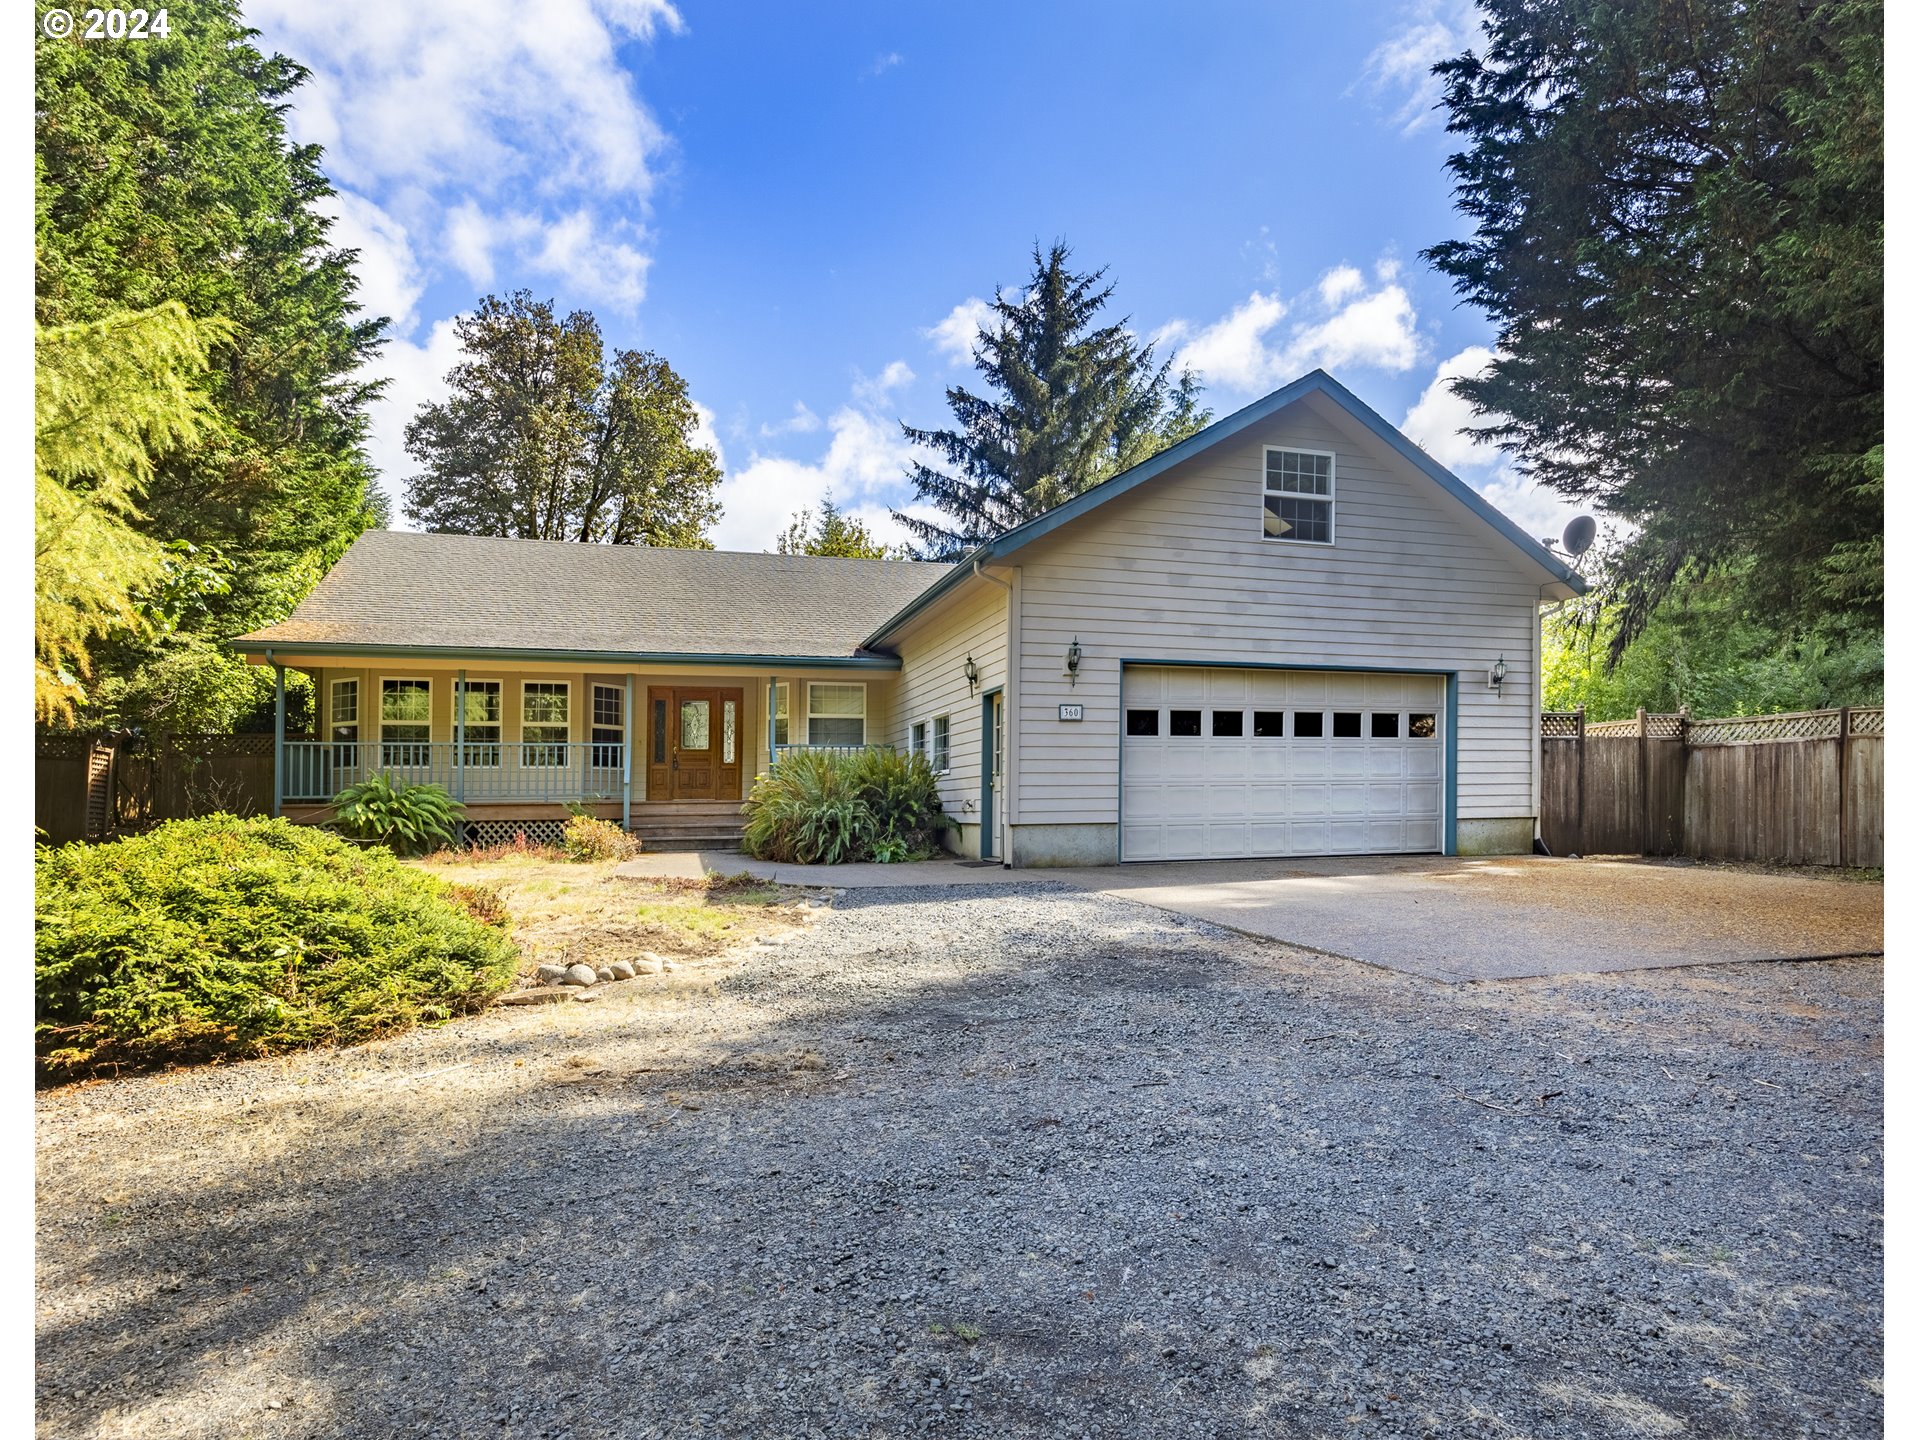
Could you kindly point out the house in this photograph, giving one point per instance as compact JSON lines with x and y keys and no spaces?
{"x":1292,"y":633}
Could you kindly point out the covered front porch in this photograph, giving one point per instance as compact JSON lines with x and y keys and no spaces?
{"x":531,"y":741}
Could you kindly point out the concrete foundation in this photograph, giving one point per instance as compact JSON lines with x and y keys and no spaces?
{"x":1050,"y":845}
{"x":1510,"y":835}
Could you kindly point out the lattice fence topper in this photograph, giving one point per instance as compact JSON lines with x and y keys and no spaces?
{"x":210,"y":746}
{"x":62,"y":747}
{"x":488,"y":833}
{"x":1733,"y":730}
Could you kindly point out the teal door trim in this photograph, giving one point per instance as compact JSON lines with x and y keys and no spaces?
{"x":989,"y":850}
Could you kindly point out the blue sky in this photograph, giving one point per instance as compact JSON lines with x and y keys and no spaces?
{"x":802,"y":206}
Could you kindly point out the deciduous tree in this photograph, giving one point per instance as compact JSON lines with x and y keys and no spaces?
{"x":544,"y":437}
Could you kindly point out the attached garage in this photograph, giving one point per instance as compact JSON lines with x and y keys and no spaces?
{"x":1220,"y":763}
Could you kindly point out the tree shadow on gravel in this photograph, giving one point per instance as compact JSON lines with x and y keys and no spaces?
{"x":990,"y":1165}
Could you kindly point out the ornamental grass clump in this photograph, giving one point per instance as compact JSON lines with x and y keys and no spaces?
{"x":221,"y":938}
{"x":820,"y":808}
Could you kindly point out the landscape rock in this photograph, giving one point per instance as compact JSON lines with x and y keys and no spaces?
{"x":647,"y":965}
{"x":553,"y":974}
{"x":622,"y":969}
{"x":582,"y":975}
{"x":603,"y":972}
{"x":545,"y":995}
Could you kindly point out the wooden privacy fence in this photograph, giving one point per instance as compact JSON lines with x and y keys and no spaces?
{"x":86,"y":787}
{"x":1798,"y":789}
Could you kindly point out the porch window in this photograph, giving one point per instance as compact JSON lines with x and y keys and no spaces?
{"x":939,"y":756}
{"x":836,"y":714}
{"x":780,"y":713}
{"x":481,"y":723}
{"x":609,"y":725}
{"x":917,"y":738}
{"x":545,"y":721}
{"x":406,"y":722}
{"x":343,"y":720}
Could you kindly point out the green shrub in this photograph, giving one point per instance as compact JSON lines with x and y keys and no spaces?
{"x":408,"y":819}
{"x":221,"y":938}
{"x":586,"y":837}
{"x":816,"y":808}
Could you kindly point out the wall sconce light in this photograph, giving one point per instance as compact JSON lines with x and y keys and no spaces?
{"x":1497,"y":676}
{"x":972,"y":672}
{"x":1073,"y":662}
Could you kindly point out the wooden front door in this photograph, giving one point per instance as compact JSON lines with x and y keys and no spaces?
{"x":694,"y":739}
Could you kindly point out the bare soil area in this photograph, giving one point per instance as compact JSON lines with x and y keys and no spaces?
{"x":995,"y":1162}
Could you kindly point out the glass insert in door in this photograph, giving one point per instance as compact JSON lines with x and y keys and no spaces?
{"x":695,"y":725}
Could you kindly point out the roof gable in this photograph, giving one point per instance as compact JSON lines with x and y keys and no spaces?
{"x":1314,"y":382}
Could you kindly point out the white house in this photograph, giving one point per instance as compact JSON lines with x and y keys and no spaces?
{"x":1292,"y":633}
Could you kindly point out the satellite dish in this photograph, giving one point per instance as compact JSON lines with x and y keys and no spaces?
{"x":1578,"y":535}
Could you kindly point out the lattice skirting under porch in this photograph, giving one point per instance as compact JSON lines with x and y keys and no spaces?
{"x":488,"y":833}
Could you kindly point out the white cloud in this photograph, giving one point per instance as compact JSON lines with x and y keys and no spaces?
{"x":883,"y":63}
{"x":1435,"y":421}
{"x":801,"y":422}
{"x":1339,"y":283}
{"x":705,"y":435}
{"x":390,"y":277}
{"x":864,"y":462}
{"x":1399,"y":69}
{"x":1344,"y":325}
{"x":489,"y":95}
{"x":874,"y":390}
{"x":955,"y":336}
{"x":416,"y":375}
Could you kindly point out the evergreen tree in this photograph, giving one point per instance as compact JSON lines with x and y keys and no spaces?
{"x":833,"y":533}
{"x":1076,"y":402}
{"x":544,"y":438}
{"x":108,"y":397}
{"x":164,"y":173}
{"x":1678,"y":231}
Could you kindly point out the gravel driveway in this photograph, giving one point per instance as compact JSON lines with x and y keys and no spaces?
{"x":1001,"y":1162}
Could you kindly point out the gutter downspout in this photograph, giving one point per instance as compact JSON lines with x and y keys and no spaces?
{"x":1010,"y":710}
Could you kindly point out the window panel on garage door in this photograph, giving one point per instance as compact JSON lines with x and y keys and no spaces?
{"x":1231,"y":762}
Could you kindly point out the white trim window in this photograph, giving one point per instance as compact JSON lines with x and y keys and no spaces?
{"x":917,"y":738}
{"x":836,"y":714}
{"x":609,"y":725}
{"x":343,"y":711}
{"x":545,"y":722}
{"x":481,"y":724}
{"x":781,"y":700}
{"x":1297,"y":505}
{"x":941,"y":756}
{"x":406,"y":722}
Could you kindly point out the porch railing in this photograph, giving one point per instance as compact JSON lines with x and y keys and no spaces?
{"x":780,"y":751}
{"x":317,"y":770}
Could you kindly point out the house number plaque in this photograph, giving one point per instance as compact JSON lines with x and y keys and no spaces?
{"x":1073,"y":712}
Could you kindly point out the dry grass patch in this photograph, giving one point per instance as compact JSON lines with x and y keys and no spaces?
{"x":564,"y":911}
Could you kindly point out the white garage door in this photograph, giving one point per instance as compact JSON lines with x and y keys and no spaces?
{"x":1224,"y":763}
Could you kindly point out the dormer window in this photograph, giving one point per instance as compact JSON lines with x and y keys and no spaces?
{"x":1299,"y":496}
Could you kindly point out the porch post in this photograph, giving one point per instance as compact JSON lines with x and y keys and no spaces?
{"x":279,"y":734}
{"x":626,"y":761}
{"x":459,"y":736}
{"x":773,"y":691}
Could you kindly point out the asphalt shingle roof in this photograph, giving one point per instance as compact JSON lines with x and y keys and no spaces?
{"x":468,"y":592}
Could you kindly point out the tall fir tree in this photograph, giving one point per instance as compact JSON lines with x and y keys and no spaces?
{"x":1075,"y":403}
{"x":164,"y":173}
{"x":1679,"y":235}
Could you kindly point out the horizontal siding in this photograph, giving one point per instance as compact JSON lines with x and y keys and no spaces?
{"x":933,"y":682}
{"x":1177,"y":570}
